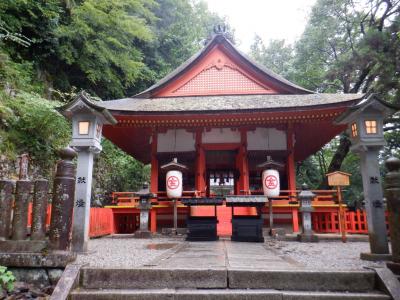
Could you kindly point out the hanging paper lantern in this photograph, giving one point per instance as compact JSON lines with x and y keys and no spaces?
{"x":174,"y":184}
{"x":271,"y":183}
{"x":173,"y":179}
{"x":270,"y":177}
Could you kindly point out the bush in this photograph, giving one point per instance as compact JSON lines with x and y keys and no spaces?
{"x":7,"y":279}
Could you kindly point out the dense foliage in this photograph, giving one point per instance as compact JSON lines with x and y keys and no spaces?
{"x":50,"y":49}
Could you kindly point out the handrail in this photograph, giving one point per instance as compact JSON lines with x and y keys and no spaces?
{"x":285,"y":195}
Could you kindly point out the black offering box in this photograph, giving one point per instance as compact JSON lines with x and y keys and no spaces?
{"x":247,"y":228}
{"x":202,"y":228}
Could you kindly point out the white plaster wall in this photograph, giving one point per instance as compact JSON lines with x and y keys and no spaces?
{"x":185,"y":141}
{"x":266,"y":139}
{"x":221,"y":135}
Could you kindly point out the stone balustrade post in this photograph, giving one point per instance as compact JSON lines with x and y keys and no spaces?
{"x":20,"y":212}
{"x":6,"y":200}
{"x":392,"y":194}
{"x":39,"y":209}
{"x":63,"y":202}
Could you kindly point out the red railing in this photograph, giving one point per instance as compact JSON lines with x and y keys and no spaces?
{"x":101,"y":220}
{"x":328,"y":222}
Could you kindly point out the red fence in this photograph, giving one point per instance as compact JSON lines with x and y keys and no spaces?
{"x":328,"y":222}
{"x":101,"y":220}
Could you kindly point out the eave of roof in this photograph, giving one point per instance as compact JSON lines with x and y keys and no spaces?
{"x":85,"y":99}
{"x":366,"y":101}
{"x":228,"y":103}
{"x":221,"y":39}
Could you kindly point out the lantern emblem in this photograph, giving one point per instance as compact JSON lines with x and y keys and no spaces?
{"x":271,"y":182}
{"x":173,"y":182}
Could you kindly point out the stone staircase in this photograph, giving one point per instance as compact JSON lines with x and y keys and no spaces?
{"x":225,"y":283}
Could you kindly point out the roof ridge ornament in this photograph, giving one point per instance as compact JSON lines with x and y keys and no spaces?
{"x":220,"y":29}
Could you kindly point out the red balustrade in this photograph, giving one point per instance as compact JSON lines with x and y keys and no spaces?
{"x":101,"y":220}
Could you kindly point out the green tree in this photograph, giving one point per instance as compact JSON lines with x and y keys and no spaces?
{"x":101,"y":45}
{"x":277,"y":56}
{"x":346,"y":47}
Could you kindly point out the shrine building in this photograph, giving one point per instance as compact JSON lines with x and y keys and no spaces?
{"x":221,"y":115}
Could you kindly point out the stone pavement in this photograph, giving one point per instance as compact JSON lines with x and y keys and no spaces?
{"x":223,"y":254}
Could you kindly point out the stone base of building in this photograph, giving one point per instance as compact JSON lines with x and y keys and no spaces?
{"x":22,"y":246}
{"x":143,"y":234}
{"x":307,"y":238}
{"x":375,"y":256}
{"x":53,"y":259}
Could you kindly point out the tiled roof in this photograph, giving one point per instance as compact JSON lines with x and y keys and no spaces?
{"x":226,"y":103}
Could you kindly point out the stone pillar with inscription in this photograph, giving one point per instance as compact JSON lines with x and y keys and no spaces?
{"x":63,"y":202}
{"x":374,"y":206}
{"x":83,"y":192}
{"x":39,"y":209}
{"x":20,"y":212}
{"x":6,"y":200}
{"x":392,"y":193}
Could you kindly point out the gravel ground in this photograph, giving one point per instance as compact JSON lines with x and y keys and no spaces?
{"x":130,"y":252}
{"x":125,"y":252}
{"x":326,"y":254}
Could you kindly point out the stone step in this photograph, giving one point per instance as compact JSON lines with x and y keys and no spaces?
{"x":303,"y":280}
{"x":218,"y":294}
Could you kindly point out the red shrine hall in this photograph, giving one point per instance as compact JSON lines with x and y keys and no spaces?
{"x":221,"y":115}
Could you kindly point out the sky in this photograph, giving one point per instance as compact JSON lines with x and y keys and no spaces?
{"x":270,"y":19}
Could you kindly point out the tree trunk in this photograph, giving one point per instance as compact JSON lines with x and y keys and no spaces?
{"x":338,"y":158}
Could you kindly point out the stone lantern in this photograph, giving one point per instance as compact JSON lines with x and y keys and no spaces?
{"x":144,"y":205}
{"x":88,"y":119}
{"x":306,"y":197}
{"x":365,"y":129}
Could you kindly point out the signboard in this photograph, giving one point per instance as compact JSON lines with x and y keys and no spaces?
{"x":338,"y":178}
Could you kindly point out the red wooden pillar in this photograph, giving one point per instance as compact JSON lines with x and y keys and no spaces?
{"x":154,"y":165}
{"x":290,"y":165}
{"x":242,"y":164}
{"x":291,"y":174}
{"x":153,"y":220}
{"x":200,"y":182}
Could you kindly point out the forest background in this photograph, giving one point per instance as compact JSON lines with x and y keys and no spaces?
{"x":52,"y":49}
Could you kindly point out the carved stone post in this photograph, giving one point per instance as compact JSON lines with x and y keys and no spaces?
{"x":39,"y":209}
{"x":63,"y":202}
{"x":83,"y":192}
{"x":20,"y":214}
{"x":392,"y":193}
{"x":6,"y":197}
{"x":375,"y":209}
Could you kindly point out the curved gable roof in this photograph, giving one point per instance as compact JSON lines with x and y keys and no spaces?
{"x":264,"y":80}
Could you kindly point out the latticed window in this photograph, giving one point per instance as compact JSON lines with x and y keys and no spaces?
{"x":354,"y":132}
{"x":370,"y":126}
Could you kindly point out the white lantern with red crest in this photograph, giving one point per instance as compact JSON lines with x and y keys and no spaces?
{"x":270,"y":177}
{"x":173,"y":178}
